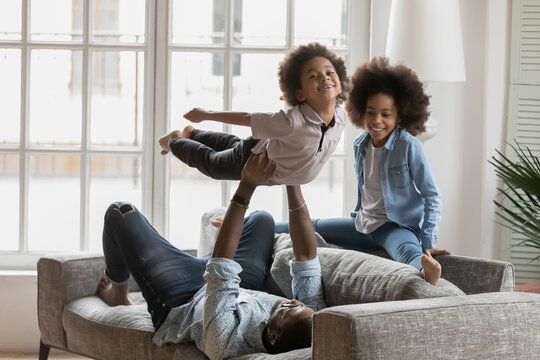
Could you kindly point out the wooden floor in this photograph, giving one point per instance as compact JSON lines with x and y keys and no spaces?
{"x":53,"y":355}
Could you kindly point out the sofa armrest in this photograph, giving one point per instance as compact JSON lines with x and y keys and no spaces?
{"x":63,"y":278}
{"x":477,"y":275}
{"x":500,"y":325}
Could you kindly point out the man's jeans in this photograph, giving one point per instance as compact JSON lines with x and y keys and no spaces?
{"x":400,"y":243}
{"x":169,"y":277}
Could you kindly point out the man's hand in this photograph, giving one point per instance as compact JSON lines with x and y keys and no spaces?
{"x":165,"y":140}
{"x":196,"y":115}
{"x":436,"y":252}
{"x":258,"y":170}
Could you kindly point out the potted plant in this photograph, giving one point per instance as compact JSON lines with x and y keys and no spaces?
{"x":521,"y":180}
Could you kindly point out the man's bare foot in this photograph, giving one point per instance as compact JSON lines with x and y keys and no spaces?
{"x":431,"y":269}
{"x":186,"y":133}
{"x":113,"y":294}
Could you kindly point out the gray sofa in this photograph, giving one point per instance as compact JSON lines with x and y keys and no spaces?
{"x":373,"y":312}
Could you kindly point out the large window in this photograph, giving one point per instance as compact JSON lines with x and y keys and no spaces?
{"x":74,"y":84}
{"x":89,"y":85}
{"x":232,"y":65}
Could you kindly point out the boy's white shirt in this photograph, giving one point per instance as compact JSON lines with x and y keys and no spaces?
{"x":291,"y":138}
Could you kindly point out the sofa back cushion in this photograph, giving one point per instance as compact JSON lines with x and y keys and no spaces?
{"x":352,"y":277}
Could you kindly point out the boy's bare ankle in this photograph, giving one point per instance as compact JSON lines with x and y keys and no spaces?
{"x":186,"y":133}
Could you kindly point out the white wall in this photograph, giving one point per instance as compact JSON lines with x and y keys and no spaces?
{"x":471,"y":119}
{"x":472,"y":123}
{"x":495,"y":114}
{"x":18,"y":312}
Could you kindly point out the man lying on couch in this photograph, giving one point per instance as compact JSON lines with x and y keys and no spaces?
{"x":207,"y":301}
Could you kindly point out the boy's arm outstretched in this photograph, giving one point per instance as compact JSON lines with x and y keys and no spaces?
{"x":197,"y":115}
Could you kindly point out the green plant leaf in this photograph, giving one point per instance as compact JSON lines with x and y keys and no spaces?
{"x":521,"y":179}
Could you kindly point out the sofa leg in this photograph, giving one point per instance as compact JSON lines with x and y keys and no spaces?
{"x":43,"y":351}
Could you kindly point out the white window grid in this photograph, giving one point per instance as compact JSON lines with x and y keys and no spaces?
{"x":23,"y":258}
{"x":228,"y":49}
{"x":155,"y":175}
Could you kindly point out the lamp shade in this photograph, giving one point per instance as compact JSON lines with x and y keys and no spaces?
{"x":426,"y":36}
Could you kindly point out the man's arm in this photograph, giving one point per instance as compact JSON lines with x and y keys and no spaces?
{"x":256,"y":172}
{"x":300,"y":226}
{"x":222,"y":280}
{"x":305,"y":269}
{"x":196,"y":115}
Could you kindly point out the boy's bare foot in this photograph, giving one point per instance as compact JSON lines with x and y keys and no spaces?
{"x":431,"y":269}
{"x":186,"y":133}
{"x":165,"y":140}
{"x":113,"y":294}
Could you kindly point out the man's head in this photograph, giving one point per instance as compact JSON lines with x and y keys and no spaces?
{"x":289,"y":327}
{"x":290,"y":71}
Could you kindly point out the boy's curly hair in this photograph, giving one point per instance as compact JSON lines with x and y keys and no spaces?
{"x":290,"y":70}
{"x":399,"y":82}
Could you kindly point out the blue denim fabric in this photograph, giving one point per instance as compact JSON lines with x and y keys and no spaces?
{"x":400,"y":243}
{"x":169,"y":277}
{"x":411,"y":195}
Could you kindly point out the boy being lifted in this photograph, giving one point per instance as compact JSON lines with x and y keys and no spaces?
{"x":300,"y":140}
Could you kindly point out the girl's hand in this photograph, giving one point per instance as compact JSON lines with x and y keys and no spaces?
{"x":196,"y":115}
{"x":165,"y":140}
{"x":258,"y":170}
{"x":436,"y":252}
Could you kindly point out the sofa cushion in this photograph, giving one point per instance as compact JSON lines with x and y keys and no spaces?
{"x":351,"y":277}
{"x":121,"y":332}
{"x":299,"y":354}
{"x":130,"y":317}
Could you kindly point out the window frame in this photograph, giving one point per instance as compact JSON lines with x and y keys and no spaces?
{"x":359,"y":12}
{"x":155,"y":169}
{"x":23,"y":258}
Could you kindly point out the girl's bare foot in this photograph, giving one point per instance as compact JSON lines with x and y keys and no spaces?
{"x":431,"y":269}
{"x":186,"y":133}
{"x":113,"y":294}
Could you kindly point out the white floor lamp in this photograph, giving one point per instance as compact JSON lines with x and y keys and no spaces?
{"x":426,"y":36}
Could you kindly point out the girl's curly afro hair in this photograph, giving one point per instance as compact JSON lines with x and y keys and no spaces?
{"x":290,"y":70}
{"x":399,"y":82}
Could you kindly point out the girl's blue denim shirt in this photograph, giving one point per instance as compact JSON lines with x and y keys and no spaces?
{"x":411,"y":195}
